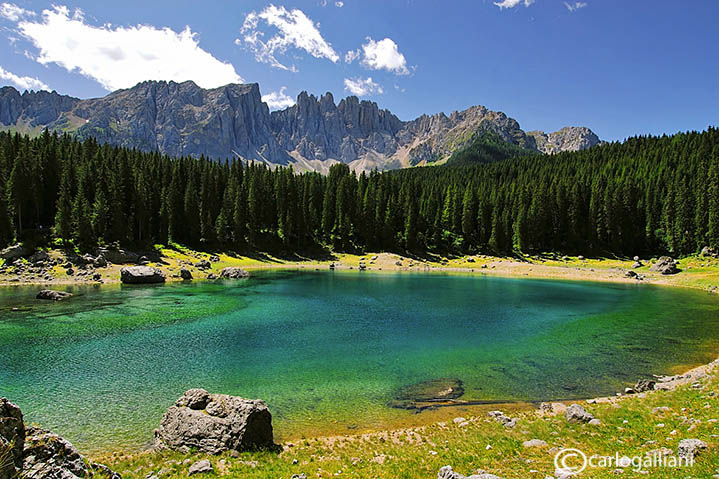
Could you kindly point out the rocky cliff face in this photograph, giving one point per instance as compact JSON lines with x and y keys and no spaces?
{"x":232,"y":121}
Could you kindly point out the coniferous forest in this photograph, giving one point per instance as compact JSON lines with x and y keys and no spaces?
{"x":648,"y":195}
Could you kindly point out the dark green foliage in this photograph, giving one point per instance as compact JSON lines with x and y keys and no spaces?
{"x":648,"y":195}
{"x":486,"y":147}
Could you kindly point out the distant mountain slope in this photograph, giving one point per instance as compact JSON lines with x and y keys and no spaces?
{"x":232,"y":121}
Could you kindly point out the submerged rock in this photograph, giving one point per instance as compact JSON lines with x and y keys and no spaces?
{"x":51,"y":295}
{"x":214,"y":423}
{"x":141,"y":275}
{"x":234,"y":273}
{"x":433,"y":391}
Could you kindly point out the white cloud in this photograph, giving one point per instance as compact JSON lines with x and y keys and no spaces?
{"x":295,"y":30}
{"x":362,"y":87}
{"x":352,"y":55}
{"x":339,"y":4}
{"x":513,"y":3}
{"x":14,"y":13}
{"x":121,"y":57}
{"x":278,"y":100}
{"x":384,"y":55}
{"x":572,"y":7}
{"x":24,"y":83}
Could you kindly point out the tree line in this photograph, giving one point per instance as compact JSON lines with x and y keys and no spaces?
{"x":647,"y":195}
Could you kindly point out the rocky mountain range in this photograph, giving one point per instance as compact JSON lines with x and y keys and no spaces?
{"x":232,"y":121}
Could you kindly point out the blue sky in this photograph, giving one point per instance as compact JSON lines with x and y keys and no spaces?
{"x":620,"y":67}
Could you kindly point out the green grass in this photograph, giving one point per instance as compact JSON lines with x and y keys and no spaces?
{"x":421,"y":452}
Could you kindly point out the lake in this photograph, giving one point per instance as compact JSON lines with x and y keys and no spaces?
{"x":329,"y":351}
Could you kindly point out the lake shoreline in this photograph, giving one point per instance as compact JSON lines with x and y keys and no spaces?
{"x":572,"y":269}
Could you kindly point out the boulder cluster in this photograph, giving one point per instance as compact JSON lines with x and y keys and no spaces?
{"x":34,"y":453}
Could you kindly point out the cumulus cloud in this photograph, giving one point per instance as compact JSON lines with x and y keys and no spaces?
{"x":362,"y":87}
{"x":294,"y":30}
{"x":278,"y":100}
{"x":14,"y":13}
{"x":572,"y":7}
{"x":339,"y":4}
{"x":513,"y":3}
{"x":23,"y":82}
{"x":384,"y":55}
{"x":120,"y":57}
{"x":352,"y":55}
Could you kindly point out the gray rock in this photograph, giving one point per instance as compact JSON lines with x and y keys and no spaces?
{"x":12,"y":439}
{"x":51,"y":295}
{"x":576,"y":413}
{"x":630,"y":274}
{"x":100,"y":262}
{"x":709,"y":251}
{"x":118,"y":256}
{"x":49,"y":456}
{"x":200,"y":467}
{"x":185,"y":274}
{"x":534,"y":443}
{"x":689,"y":448}
{"x":234,"y":273}
{"x":225,"y":423}
{"x":142,"y":260}
{"x":570,"y":138}
{"x":196,"y":399}
{"x":500,"y":417}
{"x":11,"y":253}
{"x":299,"y":476}
{"x":141,"y":275}
{"x":214,"y":258}
{"x":447,"y":473}
{"x":39,"y":257}
{"x":665,"y":265}
{"x":644,"y":385}
{"x":637,"y":264}
{"x":203,"y":264}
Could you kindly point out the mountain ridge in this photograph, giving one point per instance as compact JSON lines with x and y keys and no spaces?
{"x":182,"y":119}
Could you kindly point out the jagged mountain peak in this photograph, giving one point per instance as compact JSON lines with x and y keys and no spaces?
{"x":232,"y":121}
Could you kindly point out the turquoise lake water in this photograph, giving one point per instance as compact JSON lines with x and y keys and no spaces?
{"x":328,"y":351}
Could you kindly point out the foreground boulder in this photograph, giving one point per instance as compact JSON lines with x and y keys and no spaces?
{"x":12,"y":439}
{"x":141,"y":275}
{"x":665,"y":265}
{"x":50,"y":295}
{"x":214,"y":423}
{"x":39,"y":454}
{"x":234,"y":273}
{"x":47,"y":455}
{"x":185,"y":274}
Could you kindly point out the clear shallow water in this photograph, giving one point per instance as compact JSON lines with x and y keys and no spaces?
{"x":327,"y":351}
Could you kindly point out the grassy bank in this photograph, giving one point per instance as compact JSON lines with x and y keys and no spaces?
{"x":696,"y":271}
{"x":631,"y":426}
